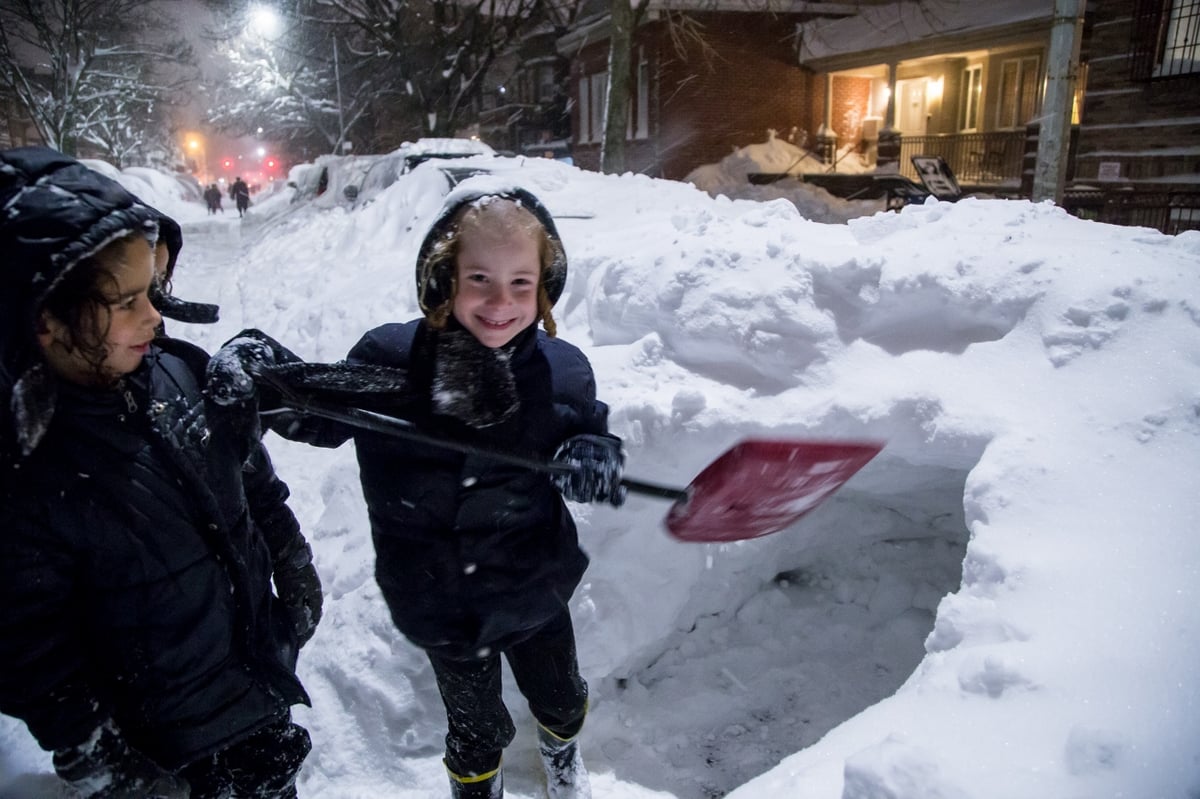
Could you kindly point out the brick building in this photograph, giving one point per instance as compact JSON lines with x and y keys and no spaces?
{"x":963,"y":80}
{"x":692,"y":98}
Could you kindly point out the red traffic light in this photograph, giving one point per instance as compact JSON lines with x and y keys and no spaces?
{"x":270,"y":163}
{"x":227,"y":163}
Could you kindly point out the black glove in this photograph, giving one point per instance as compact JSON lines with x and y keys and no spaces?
{"x":597,"y":461}
{"x":104,"y":767}
{"x":299,"y":587}
{"x":229,"y":376}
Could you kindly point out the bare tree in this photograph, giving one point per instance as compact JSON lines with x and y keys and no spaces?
{"x":442,"y":49}
{"x":89,"y":70}
{"x":367,"y":67}
{"x":309,"y":80}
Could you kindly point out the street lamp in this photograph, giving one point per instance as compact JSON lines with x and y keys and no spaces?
{"x":198,"y":154}
{"x":265,"y":21}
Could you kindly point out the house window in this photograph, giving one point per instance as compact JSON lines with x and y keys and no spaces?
{"x":968,"y":102}
{"x":546,"y":82}
{"x":585,"y":110}
{"x":1018,"y":100}
{"x":599,"y":94}
{"x":643,"y":95}
{"x":1164,"y":38}
{"x":1179,"y":54}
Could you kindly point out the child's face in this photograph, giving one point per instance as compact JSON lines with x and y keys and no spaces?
{"x":126,"y":321}
{"x":497,"y":275}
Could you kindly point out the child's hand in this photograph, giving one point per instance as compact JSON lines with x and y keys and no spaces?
{"x":229,"y":376}
{"x":597,"y":461}
{"x":299,"y":587}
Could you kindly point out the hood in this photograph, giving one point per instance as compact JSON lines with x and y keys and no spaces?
{"x":434,"y":284}
{"x":54,"y":213}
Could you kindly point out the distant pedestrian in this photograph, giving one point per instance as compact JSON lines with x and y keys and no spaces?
{"x":240,"y":193}
{"x":212,"y":196}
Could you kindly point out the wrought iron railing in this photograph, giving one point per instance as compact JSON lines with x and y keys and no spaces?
{"x":976,"y":158}
{"x":1170,"y":212}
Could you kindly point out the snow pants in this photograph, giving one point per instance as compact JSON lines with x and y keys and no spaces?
{"x":262,"y":766}
{"x":479,"y":725}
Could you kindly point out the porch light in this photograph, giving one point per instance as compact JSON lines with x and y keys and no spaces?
{"x":933,"y":89}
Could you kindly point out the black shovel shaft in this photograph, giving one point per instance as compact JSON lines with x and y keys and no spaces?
{"x":401,"y":428}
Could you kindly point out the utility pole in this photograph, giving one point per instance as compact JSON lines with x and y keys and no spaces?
{"x":1062,"y":70}
{"x":337,"y":79}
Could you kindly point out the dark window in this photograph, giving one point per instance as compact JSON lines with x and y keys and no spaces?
{"x":1164,"y":39}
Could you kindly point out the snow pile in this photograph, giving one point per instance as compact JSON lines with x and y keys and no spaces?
{"x":1001,"y":604}
{"x":177,"y":196}
{"x":730,"y":178}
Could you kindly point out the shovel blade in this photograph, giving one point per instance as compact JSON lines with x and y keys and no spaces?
{"x":761,"y":486}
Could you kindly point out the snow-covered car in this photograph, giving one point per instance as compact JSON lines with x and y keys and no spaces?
{"x":387,"y":168}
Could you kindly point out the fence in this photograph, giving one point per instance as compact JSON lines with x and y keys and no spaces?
{"x":976,"y":158}
{"x":1170,"y":212}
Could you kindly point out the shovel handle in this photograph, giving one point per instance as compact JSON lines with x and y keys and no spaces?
{"x":402,"y":428}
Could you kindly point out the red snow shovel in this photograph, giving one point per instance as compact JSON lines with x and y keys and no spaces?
{"x":758,"y":487}
{"x":761,"y":486}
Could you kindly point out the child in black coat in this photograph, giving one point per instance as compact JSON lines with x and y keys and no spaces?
{"x":141,"y":641}
{"x":475,"y":558}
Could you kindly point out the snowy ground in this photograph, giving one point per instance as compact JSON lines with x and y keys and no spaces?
{"x":1001,"y":605}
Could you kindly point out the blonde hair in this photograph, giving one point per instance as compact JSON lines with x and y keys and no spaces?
{"x":491,"y":216}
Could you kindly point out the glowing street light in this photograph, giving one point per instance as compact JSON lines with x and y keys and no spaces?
{"x":197,"y":150}
{"x":264,"y":20}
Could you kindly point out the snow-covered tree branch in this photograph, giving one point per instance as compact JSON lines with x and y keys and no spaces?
{"x":89,"y":70}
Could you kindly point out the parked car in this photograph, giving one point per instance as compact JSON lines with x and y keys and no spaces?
{"x":388,"y":168}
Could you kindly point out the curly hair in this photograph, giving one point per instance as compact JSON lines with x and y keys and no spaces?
{"x":80,"y":301}
{"x":494,"y":215}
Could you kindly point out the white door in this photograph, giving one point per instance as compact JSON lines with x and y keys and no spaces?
{"x":910,"y":106}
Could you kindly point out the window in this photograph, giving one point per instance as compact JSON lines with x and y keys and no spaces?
{"x":968,"y":101}
{"x":1179,"y":54}
{"x":1164,"y":38}
{"x":1019,"y":92}
{"x":585,"y":109}
{"x":643,"y":95}
{"x":599,"y":93}
{"x":546,"y":83}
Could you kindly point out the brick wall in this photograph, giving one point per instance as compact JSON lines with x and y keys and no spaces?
{"x":851,"y":96}
{"x":709,"y":105}
{"x":702,"y":105}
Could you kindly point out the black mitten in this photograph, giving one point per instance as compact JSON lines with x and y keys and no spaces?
{"x":299,"y":587}
{"x":597,"y":462}
{"x":104,"y":767}
{"x":229,"y":376}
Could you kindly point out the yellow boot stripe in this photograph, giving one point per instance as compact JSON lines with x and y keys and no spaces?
{"x":471,"y":780}
{"x":586,"y":707}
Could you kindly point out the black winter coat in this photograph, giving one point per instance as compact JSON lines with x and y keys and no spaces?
{"x":472,"y":555}
{"x":134,"y":583}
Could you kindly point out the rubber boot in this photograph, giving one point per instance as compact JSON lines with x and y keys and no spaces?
{"x":566,"y":776}
{"x":485,"y":786}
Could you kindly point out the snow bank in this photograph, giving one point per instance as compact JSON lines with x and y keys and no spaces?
{"x":1002,"y":604}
